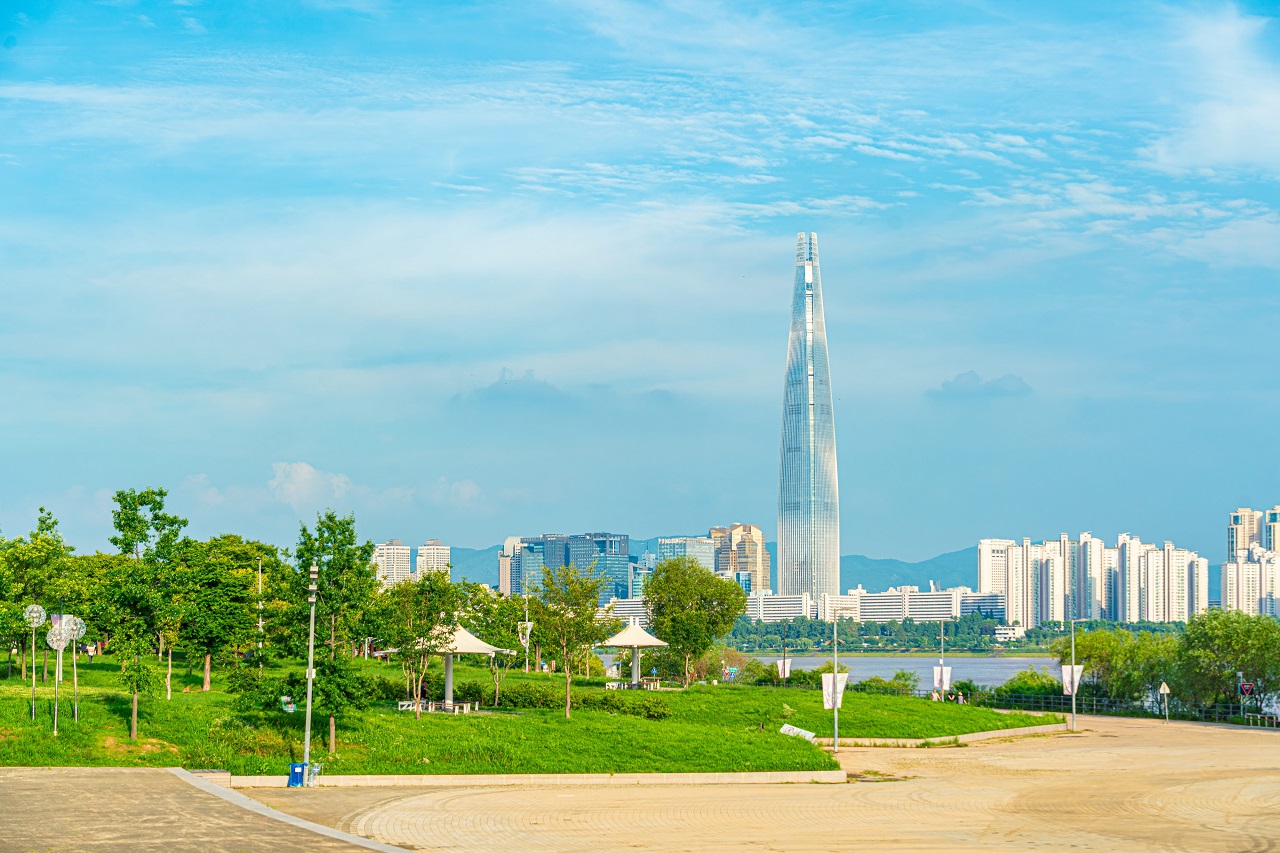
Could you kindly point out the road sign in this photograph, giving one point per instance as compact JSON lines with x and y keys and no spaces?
{"x":1164,"y":689}
{"x":1246,"y":688}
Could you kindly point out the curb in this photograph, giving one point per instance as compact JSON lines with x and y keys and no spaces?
{"x":972,"y":737}
{"x":793,"y":777}
{"x":254,"y":806}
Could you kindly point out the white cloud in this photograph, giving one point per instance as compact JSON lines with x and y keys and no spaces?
{"x":1234,"y":122}
{"x":306,"y":488}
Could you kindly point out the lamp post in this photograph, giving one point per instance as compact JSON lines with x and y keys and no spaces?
{"x":34,"y":616}
{"x":1075,"y":682}
{"x":835,"y":684}
{"x":56,"y":639}
{"x":78,"y":629}
{"x":260,"y":626}
{"x":311,"y":667}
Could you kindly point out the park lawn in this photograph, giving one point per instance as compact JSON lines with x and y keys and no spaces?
{"x":711,"y":729}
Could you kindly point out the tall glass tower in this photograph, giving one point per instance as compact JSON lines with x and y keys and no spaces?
{"x":808,"y":502}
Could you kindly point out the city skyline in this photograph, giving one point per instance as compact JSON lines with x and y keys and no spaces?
{"x":482,"y":268}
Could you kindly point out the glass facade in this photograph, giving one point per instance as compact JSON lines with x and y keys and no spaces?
{"x":808,"y":500}
{"x":609,"y":553}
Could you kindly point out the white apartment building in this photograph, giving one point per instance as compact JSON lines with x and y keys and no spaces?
{"x":909,"y":602}
{"x":1249,"y":576}
{"x":764,"y":606}
{"x":629,"y":610}
{"x":433,"y":557}
{"x":1063,"y":579}
{"x":392,"y":561}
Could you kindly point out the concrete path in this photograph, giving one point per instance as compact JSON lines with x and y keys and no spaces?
{"x":102,"y":809}
{"x":1127,"y":785}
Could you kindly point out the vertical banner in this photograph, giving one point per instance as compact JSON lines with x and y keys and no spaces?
{"x":1071,"y":678}
{"x":833,"y":687}
{"x":784,"y":668}
{"x":942,"y":678}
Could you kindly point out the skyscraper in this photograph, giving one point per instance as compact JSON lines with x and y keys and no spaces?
{"x":808,"y":501}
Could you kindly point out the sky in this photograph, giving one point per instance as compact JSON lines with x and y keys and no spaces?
{"x":471,"y":270}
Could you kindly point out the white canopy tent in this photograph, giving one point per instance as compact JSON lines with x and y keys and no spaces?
{"x":463,"y":642}
{"x":635,"y":638}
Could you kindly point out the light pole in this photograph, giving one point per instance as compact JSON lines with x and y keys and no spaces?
{"x":311,"y":667}
{"x":1075,"y":682}
{"x":835,"y":684}
{"x":260,"y":627}
{"x":35,"y":617}
{"x":78,"y":629}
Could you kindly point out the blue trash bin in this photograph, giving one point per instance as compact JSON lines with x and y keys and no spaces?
{"x":297,"y":775}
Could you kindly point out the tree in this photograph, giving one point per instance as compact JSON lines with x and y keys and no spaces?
{"x":346,"y":584}
{"x":494,"y":618}
{"x":690,"y":608}
{"x":418,"y":618}
{"x":154,"y":538}
{"x":337,"y":689}
{"x":33,"y":570}
{"x":570,"y":597}
{"x":1218,"y":644}
{"x":219,"y":602}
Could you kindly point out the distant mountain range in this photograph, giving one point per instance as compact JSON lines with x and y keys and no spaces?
{"x":957,"y":568}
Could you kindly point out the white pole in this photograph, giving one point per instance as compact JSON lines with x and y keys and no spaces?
{"x":835,"y":684}
{"x":1074,"y":682}
{"x":260,"y":615}
{"x":33,"y":674}
{"x":311,"y":667}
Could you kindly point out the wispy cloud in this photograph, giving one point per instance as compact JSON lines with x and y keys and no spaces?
{"x":970,"y":386}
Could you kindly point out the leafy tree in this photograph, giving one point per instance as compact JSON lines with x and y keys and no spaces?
{"x":219,"y":602}
{"x":494,"y":618}
{"x":33,"y":570}
{"x":1031,"y":682}
{"x":1218,"y":644}
{"x":570,"y":597}
{"x":154,"y":538}
{"x":690,"y":608}
{"x":337,"y":689}
{"x":418,"y":618}
{"x":347,"y":585}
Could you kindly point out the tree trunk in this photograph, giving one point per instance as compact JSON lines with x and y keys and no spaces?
{"x":133,"y":719}
{"x":208,"y":671}
{"x":333,"y":734}
{"x":686,"y":670}
{"x":44,"y":676}
{"x":159,"y":647}
{"x":168,"y":678}
{"x":24,"y":660}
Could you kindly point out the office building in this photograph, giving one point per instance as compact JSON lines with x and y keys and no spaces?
{"x":604,"y":553}
{"x":391,"y":559}
{"x":629,"y":610}
{"x":766,"y":607}
{"x":507,"y":557}
{"x":741,"y":548}
{"x":910,"y":602}
{"x":700,"y":548}
{"x":808,"y":499}
{"x":432,"y":557}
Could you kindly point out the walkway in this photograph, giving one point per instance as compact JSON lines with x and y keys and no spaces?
{"x":1119,"y":785}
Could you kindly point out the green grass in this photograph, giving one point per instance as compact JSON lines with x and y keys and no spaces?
{"x":711,"y":729}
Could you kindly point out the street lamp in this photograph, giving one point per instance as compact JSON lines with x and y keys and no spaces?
{"x":34,"y":616}
{"x":77,"y":631}
{"x":1075,"y":680}
{"x":311,"y":667}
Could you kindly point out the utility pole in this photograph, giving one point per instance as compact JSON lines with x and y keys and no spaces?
{"x":1075,"y":682}
{"x":311,"y":667}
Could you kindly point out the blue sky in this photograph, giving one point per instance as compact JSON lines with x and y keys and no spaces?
{"x":473,"y":270}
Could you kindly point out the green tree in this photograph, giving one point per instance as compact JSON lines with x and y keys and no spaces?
{"x":154,"y":538}
{"x":570,"y":597}
{"x":690,"y":608}
{"x":219,"y":612}
{"x":347,"y":585}
{"x":34,"y":570}
{"x":1218,"y":644}
{"x":417,"y":619}
{"x":494,"y":618}
{"x":337,"y":689}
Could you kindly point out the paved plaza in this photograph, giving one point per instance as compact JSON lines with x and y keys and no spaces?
{"x":1118,"y":785}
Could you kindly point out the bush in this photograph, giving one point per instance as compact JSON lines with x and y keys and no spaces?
{"x":1029,"y":682}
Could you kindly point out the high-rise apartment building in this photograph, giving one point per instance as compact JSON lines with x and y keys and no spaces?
{"x":432,"y":557}
{"x":808,"y":496}
{"x":1063,"y":579}
{"x":392,"y":561}
{"x":700,"y":548}
{"x":1250,"y":583}
{"x":507,"y":556}
{"x":1243,"y":529}
{"x":741,"y":548}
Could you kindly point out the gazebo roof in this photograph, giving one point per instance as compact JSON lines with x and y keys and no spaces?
{"x":633,"y":636}
{"x":466,"y":643}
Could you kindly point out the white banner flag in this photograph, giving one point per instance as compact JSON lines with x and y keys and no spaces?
{"x":942,"y":678}
{"x":833,"y":686}
{"x":1071,"y":678}
{"x":784,"y":668}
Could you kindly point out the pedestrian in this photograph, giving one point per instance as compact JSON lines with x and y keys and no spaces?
{"x":951,"y":697}
{"x":934,"y":696}
{"x":960,"y":698}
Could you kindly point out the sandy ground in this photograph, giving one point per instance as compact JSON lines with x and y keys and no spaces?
{"x":1117,"y":785}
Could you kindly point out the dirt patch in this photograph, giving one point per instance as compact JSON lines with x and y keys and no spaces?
{"x":143,"y":746}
